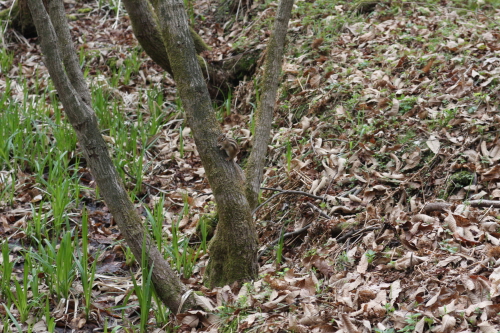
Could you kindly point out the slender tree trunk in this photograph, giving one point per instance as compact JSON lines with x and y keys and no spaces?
{"x":21,"y":19}
{"x":84,"y":121}
{"x":265,"y":108}
{"x":233,"y":250}
{"x":69,"y":58}
{"x":145,"y":27}
{"x":146,"y":31}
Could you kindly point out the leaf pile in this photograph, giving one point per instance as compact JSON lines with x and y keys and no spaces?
{"x":382,"y":174}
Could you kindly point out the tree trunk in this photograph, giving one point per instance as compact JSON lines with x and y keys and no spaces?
{"x":84,"y":121}
{"x":233,"y":250}
{"x":145,"y":27}
{"x":21,"y":19}
{"x":265,"y":108}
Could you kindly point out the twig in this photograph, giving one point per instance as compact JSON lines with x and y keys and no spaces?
{"x":293,"y":192}
{"x":313,"y":207}
{"x":353,"y":233}
{"x":435,"y":206}
{"x":296,"y":232}
{"x":442,"y":206}
{"x":354,"y":190}
{"x":485,"y":203}
{"x":280,"y":192}
{"x":287,"y":235}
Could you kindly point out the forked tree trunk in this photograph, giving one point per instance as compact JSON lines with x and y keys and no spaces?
{"x":20,"y":18}
{"x":83,"y":119}
{"x":233,"y":250}
{"x":220,"y":76}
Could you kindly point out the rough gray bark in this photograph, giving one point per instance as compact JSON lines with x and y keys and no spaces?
{"x":146,"y":31}
{"x":233,"y":250}
{"x":70,"y":60}
{"x":265,"y":108}
{"x":84,"y":121}
{"x":145,"y":27}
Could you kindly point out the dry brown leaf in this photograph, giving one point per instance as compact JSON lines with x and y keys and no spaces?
{"x":487,"y":327}
{"x":366,"y":37}
{"x":317,"y":43}
{"x":433,"y":144}
{"x":362,"y":265}
{"x":347,"y":324}
{"x":424,"y":218}
{"x":447,"y":324}
{"x":495,"y":282}
{"x":394,"y":109}
{"x":409,"y":260}
{"x":395,"y":290}
{"x":419,"y":327}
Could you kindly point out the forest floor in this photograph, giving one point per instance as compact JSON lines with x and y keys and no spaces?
{"x":386,"y":129}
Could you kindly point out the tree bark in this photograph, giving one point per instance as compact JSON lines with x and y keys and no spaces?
{"x":21,"y":19}
{"x":145,"y":27}
{"x":233,"y":250}
{"x":69,"y":58}
{"x":84,"y":121}
{"x":265,"y":107}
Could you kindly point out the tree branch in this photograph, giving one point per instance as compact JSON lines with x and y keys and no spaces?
{"x":65,"y":44}
{"x":443,"y":206}
{"x":265,"y":109}
{"x":84,"y":121}
{"x":284,"y":192}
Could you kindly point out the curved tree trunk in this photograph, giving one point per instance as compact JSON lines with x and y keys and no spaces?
{"x":20,"y":18}
{"x":265,"y":108}
{"x":84,"y":121}
{"x":233,"y":250}
{"x":144,"y":24}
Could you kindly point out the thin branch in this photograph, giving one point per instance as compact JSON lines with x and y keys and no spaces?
{"x":443,"y":206}
{"x":313,"y":207}
{"x":296,"y":232}
{"x":293,"y":192}
{"x":354,"y":233}
{"x":280,"y":192}
{"x":287,"y":235}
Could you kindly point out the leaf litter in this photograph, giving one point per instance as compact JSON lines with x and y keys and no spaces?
{"x":389,"y":117}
